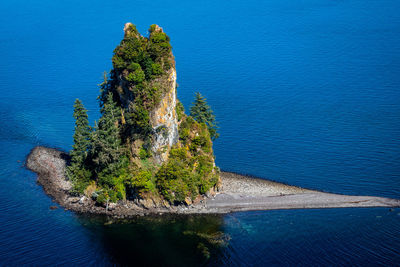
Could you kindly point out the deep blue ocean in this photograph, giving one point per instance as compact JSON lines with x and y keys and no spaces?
{"x":306,"y":92}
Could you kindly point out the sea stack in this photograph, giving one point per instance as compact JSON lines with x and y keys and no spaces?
{"x":163,"y":117}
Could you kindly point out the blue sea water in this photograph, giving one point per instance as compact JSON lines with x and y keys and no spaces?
{"x":306,"y":93}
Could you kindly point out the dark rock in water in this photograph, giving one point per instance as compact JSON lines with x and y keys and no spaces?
{"x":53,"y":207}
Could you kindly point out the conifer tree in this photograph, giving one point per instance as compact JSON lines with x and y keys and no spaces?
{"x":78,"y":171}
{"x":107,"y":150}
{"x":105,"y":88}
{"x":202,"y":113}
{"x":81,"y":135}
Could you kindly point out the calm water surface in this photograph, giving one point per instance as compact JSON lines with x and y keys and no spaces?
{"x":306,"y":93}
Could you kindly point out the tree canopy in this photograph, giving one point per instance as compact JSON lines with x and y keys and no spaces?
{"x":78,"y":170}
{"x":107,"y":149}
{"x":202,"y":113}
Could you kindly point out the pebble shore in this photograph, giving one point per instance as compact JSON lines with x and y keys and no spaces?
{"x":238,"y":193}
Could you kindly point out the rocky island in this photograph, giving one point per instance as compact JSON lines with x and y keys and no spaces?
{"x":146,"y":156}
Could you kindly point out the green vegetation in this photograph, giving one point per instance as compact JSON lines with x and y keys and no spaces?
{"x":190,"y":169}
{"x":114,"y":161}
{"x":144,"y":63}
{"x":147,"y":57}
{"x":180,"y":110}
{"x":78,"y":171}
{"x":107,"y":152}
{"x":202,"y":113}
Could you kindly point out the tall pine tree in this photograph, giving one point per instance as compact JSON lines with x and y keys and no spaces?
{"x":78,"y":171}
{"x":107,"y":150}
{"x":202,"y":113}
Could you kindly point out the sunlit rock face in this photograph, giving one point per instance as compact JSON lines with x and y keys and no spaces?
{"x":164,"y":122}
{"x":163,"y":118}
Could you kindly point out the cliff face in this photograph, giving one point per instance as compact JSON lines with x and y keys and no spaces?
{"x":164,"y":122}
{"x":162,"y":117}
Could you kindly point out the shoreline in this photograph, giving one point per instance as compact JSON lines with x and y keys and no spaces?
{"x":238,"y":193}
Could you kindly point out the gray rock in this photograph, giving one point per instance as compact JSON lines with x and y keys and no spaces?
{"x":83,"y":200}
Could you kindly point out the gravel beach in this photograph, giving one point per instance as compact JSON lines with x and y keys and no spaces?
{"x":238,"y":193}
{"x":243,"y":193}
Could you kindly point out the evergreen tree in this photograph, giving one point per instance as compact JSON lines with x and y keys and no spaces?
{"x":202,"y":113}
{"x":105,"y":87}
{"x":107,"y":149}
{"x":78,"y":171}
{"x":81,"y":135}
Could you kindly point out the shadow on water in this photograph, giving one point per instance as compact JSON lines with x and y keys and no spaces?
{"x":162,"y":240}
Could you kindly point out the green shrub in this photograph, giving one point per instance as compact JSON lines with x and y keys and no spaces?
{"x":118,"y":62}
{"x":113,"y":196}
{"x":156,"y":69}
{"x":134,"y":66}
{"x":132,"y":30}
{"x":143,"y":153}
{"x":184,"y":129}
{"x":205,"y":165}
{"x":180,"y":110}
{"x":131,"y":49}
{"x":139,"y":121}
{"x":142,"y":178}
{"x":151,"y":95}
{"x":102,"y":197}
{"x":178,"y":154}
{"x":173,"y":180}
{"x":152,"y":28}
{"x":203,"y":113}
{"x":159,"y":38}
{"x":143,"y":181}
{"x":137,"y":76}
{"x":120,"y":188}
{"x":147,"y":64}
